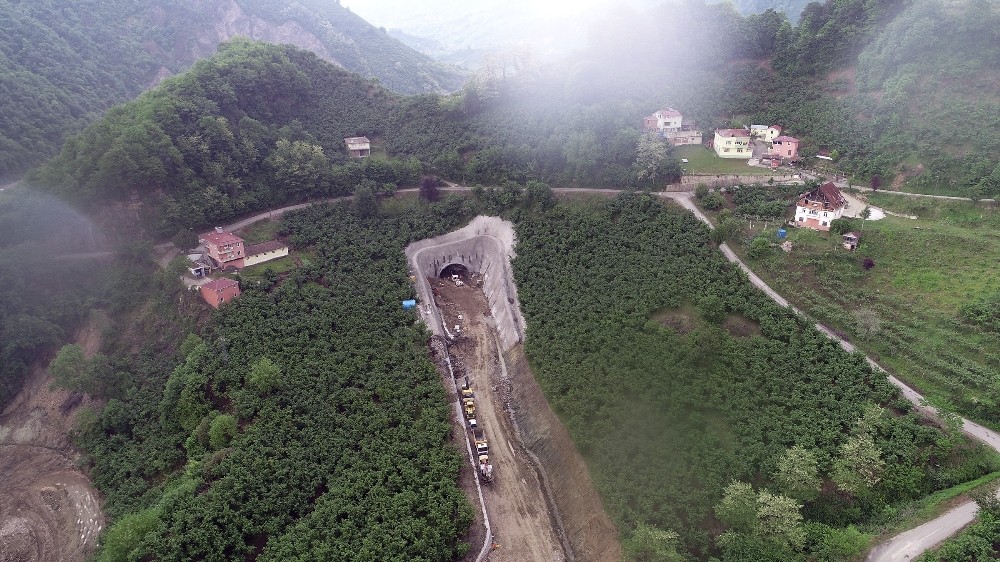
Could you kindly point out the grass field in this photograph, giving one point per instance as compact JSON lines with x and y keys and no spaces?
{"x":260,"y":231}
{"x":905,"y":311}
{"x":702,"y":160}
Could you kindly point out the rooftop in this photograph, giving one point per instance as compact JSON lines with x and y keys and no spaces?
{"x":357,"y":140}
{"x":221,"y":238}
{"x":785,"y":138}
{"x":826,"y":196}
{"x":732,"y":132}
{"x":220,"y":284}
{"x":668,"y":112}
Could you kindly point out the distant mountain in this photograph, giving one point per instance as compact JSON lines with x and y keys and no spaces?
{"x":62,"y":62}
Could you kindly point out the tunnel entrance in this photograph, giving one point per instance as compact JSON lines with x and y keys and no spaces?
{"x":455,"y":269}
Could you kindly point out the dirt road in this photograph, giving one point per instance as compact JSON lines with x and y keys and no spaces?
{"x":523,"y":527}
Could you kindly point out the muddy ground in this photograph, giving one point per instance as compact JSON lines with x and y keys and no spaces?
{"x":49,"y":509}
{"x":524,"y":527}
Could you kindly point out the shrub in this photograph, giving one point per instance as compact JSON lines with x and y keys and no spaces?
{"x":713,"y":201}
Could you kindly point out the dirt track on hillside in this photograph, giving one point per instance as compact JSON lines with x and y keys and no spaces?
{"x":50,"y":511}
{"x":523,"y":527}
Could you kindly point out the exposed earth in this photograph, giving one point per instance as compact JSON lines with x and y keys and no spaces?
{"x":50,"y":511}
{"x":523,"y":526}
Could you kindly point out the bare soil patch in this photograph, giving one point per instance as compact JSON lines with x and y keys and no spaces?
{"x":50,"y":511}
{"x":683,"y":320}
{"x":740,"y":326}
{"x":523,"y":527}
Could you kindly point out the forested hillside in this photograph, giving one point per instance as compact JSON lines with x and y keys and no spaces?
{"x":305,"y":423}
{"x":701,"y":406}
{"x":63,"y":63}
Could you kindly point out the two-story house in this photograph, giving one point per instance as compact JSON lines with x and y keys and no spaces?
{"x":819,"y":207}
{"x":358,"y":147}
{"x":732,"y":143}
{"x":786,"y":147}
{"x":669,"y":124}
{"x":225,"y":248}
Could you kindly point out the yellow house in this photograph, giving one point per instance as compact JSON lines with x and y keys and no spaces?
{"x":732,"y":143}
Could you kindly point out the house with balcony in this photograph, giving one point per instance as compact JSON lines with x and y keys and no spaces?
{"x":358,"y":147}
{"x":785,"y":147}
{"x":820,"y":207}
{"x":732,"y":143}
{"x":225,"y":249}
{"x":669,"y":124}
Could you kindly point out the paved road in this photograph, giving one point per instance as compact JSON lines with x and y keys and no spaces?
{"x":910,"y":544}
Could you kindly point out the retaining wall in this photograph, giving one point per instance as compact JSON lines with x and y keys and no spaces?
{"x":486,"y":246}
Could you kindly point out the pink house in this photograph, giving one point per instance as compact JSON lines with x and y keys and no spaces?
{"x":225,"y":248}
{"x":220,"y":291}
{"x":786,"y":147}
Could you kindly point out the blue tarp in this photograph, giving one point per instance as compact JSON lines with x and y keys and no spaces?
{"x":407,"y":305}
{"x":782,"y":233}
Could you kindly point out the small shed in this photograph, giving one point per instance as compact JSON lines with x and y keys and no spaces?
{"x":851,"y":240}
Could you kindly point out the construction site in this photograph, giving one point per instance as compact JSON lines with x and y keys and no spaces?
{"x":523,"y":474}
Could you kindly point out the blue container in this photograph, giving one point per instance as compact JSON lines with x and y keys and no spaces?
{"x":407,"y":305}
{"x":782,"y":233}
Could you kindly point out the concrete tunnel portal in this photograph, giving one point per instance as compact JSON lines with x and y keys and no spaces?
{"x":485,"y":246}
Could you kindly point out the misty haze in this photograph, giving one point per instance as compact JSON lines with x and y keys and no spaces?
{"x":474,"y":281}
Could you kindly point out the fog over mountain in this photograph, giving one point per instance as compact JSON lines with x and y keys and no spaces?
{"x":465,"y":32}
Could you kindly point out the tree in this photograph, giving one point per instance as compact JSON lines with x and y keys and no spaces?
{"x":69,"y":367}
{"x":653,"y":165}
{"x":365,"y":202}
{"x":738,"y":508}
{"x":429,"y":188}
{"x":797,"y":474}
{"x":221,"y":431}
{"x":185,"y":239}
{"x":649,"y":544}
{"x":264,"y":376}
{"x":779,"y":520}
{"x":859,"y":466}
{"x":759,"y":247}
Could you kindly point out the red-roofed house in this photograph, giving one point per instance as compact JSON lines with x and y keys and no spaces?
{"x":225,"y":248}
{"x":732,"y":143}
{"x":218,"y":291}
{"x":819,"y":207}
{"x":786,"y":147}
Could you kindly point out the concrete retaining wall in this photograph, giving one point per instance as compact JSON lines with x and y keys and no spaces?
{"x":485,"y":245}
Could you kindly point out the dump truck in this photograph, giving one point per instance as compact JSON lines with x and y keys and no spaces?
{"x":482,"y":447}
{"x":469,"y":405}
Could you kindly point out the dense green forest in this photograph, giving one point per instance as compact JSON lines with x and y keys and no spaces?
{"x":305,"y":422}
{"x":718,"y":385}
{"x":62,"y":63}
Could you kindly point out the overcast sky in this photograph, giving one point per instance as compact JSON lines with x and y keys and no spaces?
{"x":396,"y":13}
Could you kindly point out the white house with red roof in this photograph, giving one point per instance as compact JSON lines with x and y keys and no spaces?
{"x":732,"y":143}
{"x":819,"y":207}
